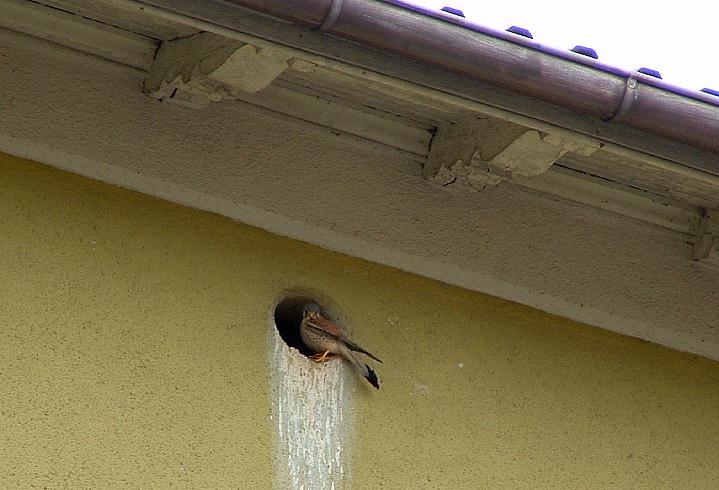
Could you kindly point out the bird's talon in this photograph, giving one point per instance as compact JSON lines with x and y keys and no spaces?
{"x":322,"y":356}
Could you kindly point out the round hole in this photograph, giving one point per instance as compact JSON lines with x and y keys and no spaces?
{"x":288,"y":317}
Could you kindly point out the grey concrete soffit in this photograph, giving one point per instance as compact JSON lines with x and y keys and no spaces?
{"x":209,"y":62}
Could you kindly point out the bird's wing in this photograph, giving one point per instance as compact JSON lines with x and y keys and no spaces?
{"x":351,"y":344}
{"x":326,"y":326}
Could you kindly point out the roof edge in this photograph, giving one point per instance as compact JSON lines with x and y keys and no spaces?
{"x":567,"y":79}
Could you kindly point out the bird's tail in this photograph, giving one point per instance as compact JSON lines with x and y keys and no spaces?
{"x":363,"y":368}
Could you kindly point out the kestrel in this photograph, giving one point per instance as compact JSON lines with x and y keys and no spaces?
{"x":327,"y":340}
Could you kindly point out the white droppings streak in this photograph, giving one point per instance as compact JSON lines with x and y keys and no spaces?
{"x":312,"y":422}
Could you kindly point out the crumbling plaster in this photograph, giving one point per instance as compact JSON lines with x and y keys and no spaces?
{"x":77,"y":112}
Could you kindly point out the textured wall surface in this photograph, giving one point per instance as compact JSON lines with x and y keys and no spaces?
{"x":134,"y":348}
{"x":259,"y":168}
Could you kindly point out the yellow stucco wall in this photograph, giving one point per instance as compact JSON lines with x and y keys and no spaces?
{"x":133,"y":352}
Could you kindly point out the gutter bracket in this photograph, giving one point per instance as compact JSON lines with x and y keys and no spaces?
{"x":706,"y":240}
{"x":625,"y":105}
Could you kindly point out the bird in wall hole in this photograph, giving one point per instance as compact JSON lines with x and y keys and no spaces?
{"x":326,"y":339}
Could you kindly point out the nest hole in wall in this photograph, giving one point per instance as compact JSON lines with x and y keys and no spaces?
{"x":288,"y":317}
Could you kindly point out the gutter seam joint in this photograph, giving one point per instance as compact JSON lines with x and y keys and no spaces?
{"x":332,"y":15}
{"x":628,"y":98}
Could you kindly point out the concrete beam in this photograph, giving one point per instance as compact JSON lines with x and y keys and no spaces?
{"x":205,"y":68}
{"x":78,"y":33}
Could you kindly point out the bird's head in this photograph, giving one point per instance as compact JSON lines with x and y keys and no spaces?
{"x":311,"y":310}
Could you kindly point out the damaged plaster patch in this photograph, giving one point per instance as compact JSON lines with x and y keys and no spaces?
{"x":474,"y":154}
{"x":204,"y":68}
{"x":311,"y":420}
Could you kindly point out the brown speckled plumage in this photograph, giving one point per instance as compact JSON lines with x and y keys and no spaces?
{"x":322,"y":336}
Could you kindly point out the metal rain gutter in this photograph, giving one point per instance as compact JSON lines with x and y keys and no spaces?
{"x":567,"y":79}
